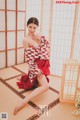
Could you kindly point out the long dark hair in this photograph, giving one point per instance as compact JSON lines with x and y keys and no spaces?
{"x":33,"y":20}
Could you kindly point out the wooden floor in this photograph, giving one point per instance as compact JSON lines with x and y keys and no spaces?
{"x":51,"y":109}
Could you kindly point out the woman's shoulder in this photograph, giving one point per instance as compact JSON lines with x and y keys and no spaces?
{"x":26,"y":42}
{"x":26,"y":39}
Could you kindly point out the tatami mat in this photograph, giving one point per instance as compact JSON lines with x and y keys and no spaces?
{"x":55,"y":82}
{"x":22,"y":67}
{"x":60,"y":112}
{"x":12,"y":82}
{"x":9,"y":100}
{"x":8,"y":73}
{"x":45,"y":98}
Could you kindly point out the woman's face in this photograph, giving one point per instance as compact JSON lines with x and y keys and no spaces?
{"x":32,"y":28}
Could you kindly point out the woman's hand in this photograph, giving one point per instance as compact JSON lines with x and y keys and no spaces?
{"x":35,"y":37}
{"x":39,"y":71}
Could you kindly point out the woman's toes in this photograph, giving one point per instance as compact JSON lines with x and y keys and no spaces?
{"x":15,"y":111}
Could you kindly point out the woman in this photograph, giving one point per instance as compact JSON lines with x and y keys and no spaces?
{"x":37,"y":57}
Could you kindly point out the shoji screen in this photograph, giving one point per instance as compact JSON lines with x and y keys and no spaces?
{"x":21,"y":27}
{"x":45,"y":26}
{"x":2,"y":35}
{"x":34,"y":10}
{"x":62,"y":29}
{"x":12,"y":29}
{"x":76,"y":54}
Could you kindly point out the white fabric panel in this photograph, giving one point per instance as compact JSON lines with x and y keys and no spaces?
{"x":20,"y":55}
{"x":2,"y":4}
{"x":77,"y":42}
{"x":2,"y":41}
{"x":11,"y":40}
{"x":11,"y":16}
{"x":11,"y":4}
{"x":77,"y":39}
{"x":21,"y":4}
{"x":2,"y":60}
{"x":46,"y":17}
{"x":11,"y":57}
{"x":33,"y":8}
{"x":62,"y":28}
{"x":21,"y":17}
{"x":2,"y":20}
{"x":20,"y":38}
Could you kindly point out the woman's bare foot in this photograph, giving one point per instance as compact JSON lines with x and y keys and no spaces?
{"x":18,"y":107}
{"x":15,"y":110}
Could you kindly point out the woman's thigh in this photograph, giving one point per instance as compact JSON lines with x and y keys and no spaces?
{"x":42,"y":81}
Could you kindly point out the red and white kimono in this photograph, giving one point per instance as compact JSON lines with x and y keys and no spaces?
{"x":38,"y":58}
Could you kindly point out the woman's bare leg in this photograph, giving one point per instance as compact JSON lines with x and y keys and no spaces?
{"x":43,"y":87}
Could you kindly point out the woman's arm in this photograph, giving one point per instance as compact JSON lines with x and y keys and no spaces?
{"x":25,"y":43}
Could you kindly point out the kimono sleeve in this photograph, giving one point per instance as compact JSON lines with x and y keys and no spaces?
{"x":31,"y":55}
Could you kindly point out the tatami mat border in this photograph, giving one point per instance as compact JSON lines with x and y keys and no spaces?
{"x":18,"y":70}
{"x":12,"y":77}
{"x":51,"y":105}
{"x":56,"y":91}
{"x":11,"y":88}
